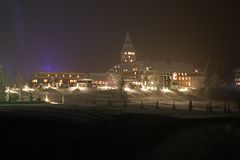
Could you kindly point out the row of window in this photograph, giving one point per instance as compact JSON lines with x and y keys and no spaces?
{"x":56,"y":75}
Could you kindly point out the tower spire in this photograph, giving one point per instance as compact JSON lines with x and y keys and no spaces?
{"x":128,"y":44}
{"x":128,"y":51}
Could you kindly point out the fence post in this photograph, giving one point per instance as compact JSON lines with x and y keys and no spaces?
{"x":228,"y":107}
{"x":225,"y":106}
{"x":174,"y":105}
{"x":238,"y":108}
{"x":210,"y":106}
{"x":157,"y":105}
{"x":190,"y":107}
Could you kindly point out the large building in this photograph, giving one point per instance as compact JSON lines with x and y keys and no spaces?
{"x":56,"y":79}
{"x":153,"y":74}
{"x":66,"y":79}
{"x":136,"y":74}
{"x":237,"y":77}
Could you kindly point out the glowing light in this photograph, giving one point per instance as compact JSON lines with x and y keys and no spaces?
{"x":131,"y":53}
{"x":174,"y":76}
{"x":34,"y":81}
{"x":145,"y":89}
{"x":183,"y":89}
{"x":127,"y":89}
{"x":166,"y":90}
{"x":26,"y":88}
{"x":46,"y":98}
{"x":8,"y":90}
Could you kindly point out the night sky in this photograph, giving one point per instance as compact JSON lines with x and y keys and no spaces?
{"x":87,"y":36}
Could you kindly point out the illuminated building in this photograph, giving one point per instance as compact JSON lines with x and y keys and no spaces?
{"x":237,"y":77}
{"x":99,"y":79}
{"x":56,"y":79}
{"x":133,"y":72}
{"x":128,"y":51}
{"x":153,"y":74}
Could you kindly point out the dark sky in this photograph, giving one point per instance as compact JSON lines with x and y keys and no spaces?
{"x":87,"y":36}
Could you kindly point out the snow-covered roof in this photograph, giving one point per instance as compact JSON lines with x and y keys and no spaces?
{"x":166,"y":66}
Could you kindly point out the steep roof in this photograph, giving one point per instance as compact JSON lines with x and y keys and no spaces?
{"x":128,"y":44}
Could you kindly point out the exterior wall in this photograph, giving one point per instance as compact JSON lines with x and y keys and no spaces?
{"x":56,"y":79}
{"x":128,"y":57}
{"x":99,"y":79}
{"x":237,"y":77}
{"x":182,"y":79}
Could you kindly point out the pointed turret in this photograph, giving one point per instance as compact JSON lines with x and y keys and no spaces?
{"x":128,"y":51}
{"x":128,"y":45}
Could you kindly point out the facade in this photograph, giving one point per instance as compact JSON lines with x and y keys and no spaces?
{"x":153,"y":74}
{"x":128,"y":52}
{"x":237,"y":77}
{"x":136,"y":74}
{"x":56,"y":79}
{"x":99,"y":79}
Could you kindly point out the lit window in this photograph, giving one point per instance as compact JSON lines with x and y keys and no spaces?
{"x":35,"y":81}
{"x":182,"y":74}
{"x":131,"y":60}
{"x":129,"y":56}
{"x":185,"y":74}
{"x":45,"y":80}
{"x":63,"y":75}
{"x":131,"y":53}
{"x":55,"y":75}
{"x":48,"y":75}
{"x":78,"y":76}
{"x":135,"y":73}
{"x":70,"y":76}
{"x":174,"y":76}
{"x":125,"y":60}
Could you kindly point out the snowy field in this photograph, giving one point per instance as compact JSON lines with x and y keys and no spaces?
{"x":99,"y":125}
{"x":115,"y":132}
